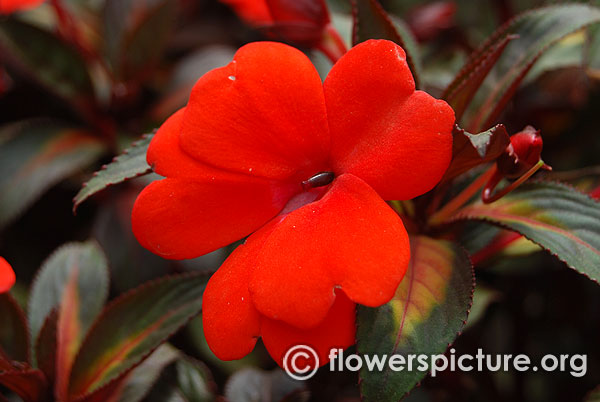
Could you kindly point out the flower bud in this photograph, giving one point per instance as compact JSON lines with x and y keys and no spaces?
{"x":523,"y":152}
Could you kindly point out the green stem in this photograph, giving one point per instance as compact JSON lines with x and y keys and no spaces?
{"x":462,"y":198}
{"x":488,"y":197}
{"x":332,"y":45}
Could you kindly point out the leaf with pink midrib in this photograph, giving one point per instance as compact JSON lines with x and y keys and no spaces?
{"x":14,"y":333}
{"x":537,"y":31}
{"x":557,"y":217}
{"x":426,"y":314}
{"x":133,"y":326}
{"x":462,"y":89}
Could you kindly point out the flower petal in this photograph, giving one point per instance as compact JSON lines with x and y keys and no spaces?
{"x":180,"y":218}
{"x":168,"y":159}
{"x":337,"y":330}
{"x":10,"y":6}
{"x":263,"y":114}
{"x":7,"y":276}
{"x":350,"y":239}
{"x":231,"y":323}
{"x":255,"y":12}
{"x":399,"y":141}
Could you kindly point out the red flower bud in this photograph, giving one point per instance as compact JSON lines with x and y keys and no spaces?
{"x":7,"y":276}
{"x":522,"y":154}
{"x":302,"y":22}
{"x":11,"y":6}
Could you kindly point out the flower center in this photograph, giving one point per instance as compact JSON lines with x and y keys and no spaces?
{"x":318,"y":180}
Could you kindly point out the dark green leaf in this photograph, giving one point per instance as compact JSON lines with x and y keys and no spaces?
{"x":131,"y":163}
{"x":428,"y":311}
{"x":371,"y":21}
{"x":592,"y":51}
{"x":141,"y":379}
{"x":45,"y":347}
{"x":83,"y":296}
{"x":45,"y":58}
{"x":462,"y":89}
{"x":251,"y":384}
{"x":567,"y":52}
{"x":194,"y":380}
{"x":89,"y":263}
{"x":586,"y":180}
{"x":186,"y":380}
{"x":132,"y":327}
{"x":555,"y":216}
{"x":14,"y":335}
{"x":537,"y":30}
{"x":136,"y":33}
{"x":34,"y":157}
{"x":28,"y":383}
{"x":166,"y":375}
{"x":470,"y":150}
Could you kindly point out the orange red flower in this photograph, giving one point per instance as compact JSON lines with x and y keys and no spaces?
{"x":265,"y":149}
{"x":7,"y":276}
{"x":11,"y":6}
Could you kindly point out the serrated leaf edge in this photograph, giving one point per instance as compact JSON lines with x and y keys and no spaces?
{"x":78,"y":201}
{"x":114,"y":304}
{"x":464,"y":322}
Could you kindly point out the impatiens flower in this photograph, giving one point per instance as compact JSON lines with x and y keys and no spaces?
{"x":7,"y":276}
{"x":265,"y":149}
{"x":11,"y":6}
{"x":303,"y":22}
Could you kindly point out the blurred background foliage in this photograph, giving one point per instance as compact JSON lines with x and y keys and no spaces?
{"x":70,"y":102}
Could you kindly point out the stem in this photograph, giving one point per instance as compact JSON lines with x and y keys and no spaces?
{"x":447,"y":210}
{"x":332,"y":45}
{"x":487,"y":197}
